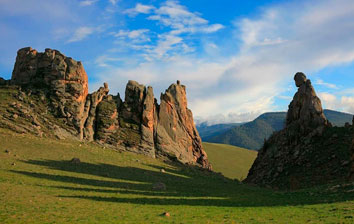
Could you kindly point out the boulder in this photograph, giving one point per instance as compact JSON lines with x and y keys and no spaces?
{"x":75,"y":160}
{"x":159,"y":186}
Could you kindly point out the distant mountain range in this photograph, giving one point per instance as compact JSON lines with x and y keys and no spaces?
{"x":251,"y":135}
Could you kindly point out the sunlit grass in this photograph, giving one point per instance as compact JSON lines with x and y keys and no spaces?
{"x":233,"y":162}
{"x":39,"y":184}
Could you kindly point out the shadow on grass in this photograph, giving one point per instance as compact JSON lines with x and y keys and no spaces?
{"x":184,"y":186}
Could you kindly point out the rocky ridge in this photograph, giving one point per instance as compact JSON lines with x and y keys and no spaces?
{"x":52,"y":99}
{"x":308,"y":150}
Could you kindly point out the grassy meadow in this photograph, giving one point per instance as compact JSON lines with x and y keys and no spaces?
{"x":39,"y":184}
{"x":232,"y":161}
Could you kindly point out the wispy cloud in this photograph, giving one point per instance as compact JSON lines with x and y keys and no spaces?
{"x":81,"y":33}
{"x":139,"y":8}
{"x":280,"y":41}
{"x":326,"y":84}
{"x":139,"y":35}
{"x":179,"y":20}
{"x":88,"y":2}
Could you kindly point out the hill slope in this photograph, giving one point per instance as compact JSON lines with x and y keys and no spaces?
{"x":252,"y":134}
{"x":208,"y":131}
{"x":39,"y":184}
{"x":233,"y":162}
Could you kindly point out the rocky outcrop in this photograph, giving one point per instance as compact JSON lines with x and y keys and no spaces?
{"x":149,"y":121}
{"x":305,"y":110}
{"x":137,"y":124}
{"x":107,"y":122}
{"x":145,"y":127}
{"x":307,"y":151}
{"x":90,"y":111}
{"x":63,"y":79}
{"x":176,"y":133}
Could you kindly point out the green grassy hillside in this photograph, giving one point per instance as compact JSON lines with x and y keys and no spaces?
{"x":39,"y":184}
{"x":233,"y":162}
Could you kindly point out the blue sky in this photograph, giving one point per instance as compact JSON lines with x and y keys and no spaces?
{"x":237,"y":58}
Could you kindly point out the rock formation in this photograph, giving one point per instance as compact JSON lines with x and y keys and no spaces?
{"x":64,"y":80}
{"x":176,"y":132}
{"x":307,"y":151}
{"x":306,"y":109}
{"x":137,"y":124}
{"x":90,"y":111}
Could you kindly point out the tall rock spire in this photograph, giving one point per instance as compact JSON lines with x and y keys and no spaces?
{"x":305,"y":109}
{"x":307,"y":151}
{"x":177,"y":135}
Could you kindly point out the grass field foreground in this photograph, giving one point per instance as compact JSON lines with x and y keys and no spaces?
{"x":39,"y":184}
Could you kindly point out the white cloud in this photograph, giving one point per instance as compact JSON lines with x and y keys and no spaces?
{"x":181,"y":20}
{"x":165,"y":43}
{"x":139,"y":35}
{"x":328,"y":85}
{"x":113,"y":2}
{"x":87,"y":2}
{"x":348,"y":103}
{"x":81,"y":33}
{"x":342,"y":103}
{"x":168,"y":43}
{"x":139,"y":8}
{"x":281,"y":41}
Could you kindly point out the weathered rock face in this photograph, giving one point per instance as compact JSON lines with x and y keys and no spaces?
{"x":134,"y":132}
{"x":149,"y":121}
{"x":306,"y":109}
{"x":176,"y":132}
{"x":90,"y":111}
{"x":307,"y":151}
{"x":138,"y":124}
{"x":159,"y":130}
{"x":64,"y":79}
{"x":107,"y":122}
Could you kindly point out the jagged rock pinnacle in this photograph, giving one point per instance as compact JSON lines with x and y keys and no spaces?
{"x":138,"y":124}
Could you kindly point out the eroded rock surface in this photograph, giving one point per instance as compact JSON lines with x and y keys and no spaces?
{"x":176,"y":132}
{"x":305,"y":110}
{"x":307,"y":151}
{"x":137,"y":124}
{"x":63,"y":79}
